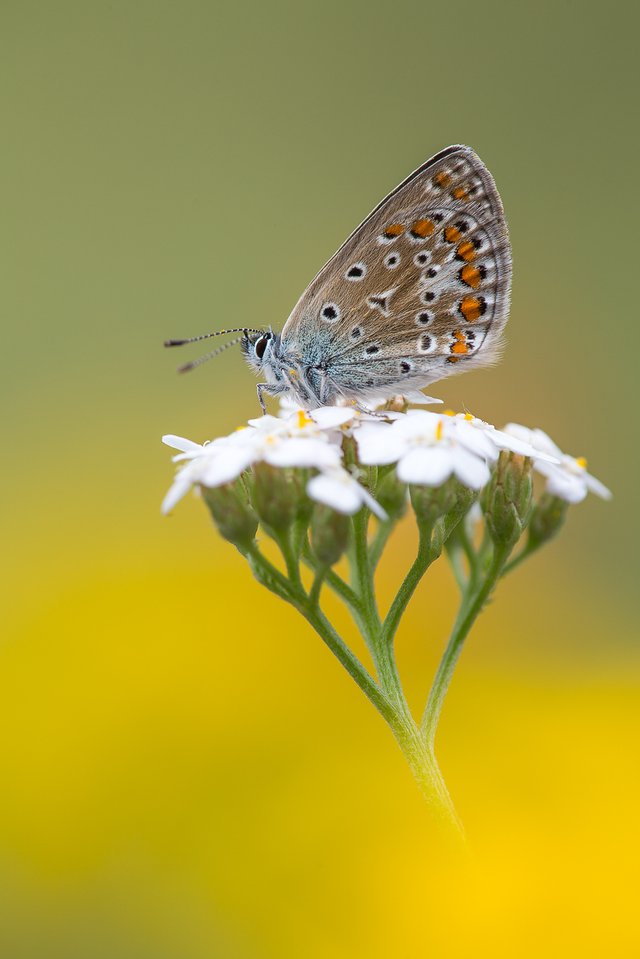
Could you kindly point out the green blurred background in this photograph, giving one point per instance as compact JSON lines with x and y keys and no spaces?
{"x":186,"y":773}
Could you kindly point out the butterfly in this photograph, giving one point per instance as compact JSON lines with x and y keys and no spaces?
{"x":420,"y":290}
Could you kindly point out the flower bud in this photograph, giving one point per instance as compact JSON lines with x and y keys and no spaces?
{"x":451,"y":500}
{"x":276,"y":495}
{"x":397,"y":404}
{"x":330,"y":532}
{"x":547,"y":519}
{"x":391,"y":494}
{"x":507,"y":499}
{"x":232,"y":514}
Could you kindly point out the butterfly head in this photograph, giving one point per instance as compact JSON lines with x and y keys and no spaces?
{"x":259,"y":348}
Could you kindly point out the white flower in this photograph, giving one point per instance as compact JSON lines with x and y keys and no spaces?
{"x":503,"y":440}
{"x":567,"y":476}
{"x":429,"y":448}
{"x":338,"y":489}
{"x":295,"y":442}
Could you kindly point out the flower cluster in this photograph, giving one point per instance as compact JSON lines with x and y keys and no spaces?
{"x":426,"y":448}
{"x":312,"y":481}
{"x":306,"y":441}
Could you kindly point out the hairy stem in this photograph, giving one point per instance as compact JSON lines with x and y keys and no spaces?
{"x":269,"y":576}
{"x":472,"y":603}
{"x":419,"y":567}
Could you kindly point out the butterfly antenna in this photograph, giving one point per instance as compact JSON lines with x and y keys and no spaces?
{"x":206,"y":336}
{"x":209,"y":356}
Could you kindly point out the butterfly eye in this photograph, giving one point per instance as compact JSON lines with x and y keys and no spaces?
{"x":261,"y":346}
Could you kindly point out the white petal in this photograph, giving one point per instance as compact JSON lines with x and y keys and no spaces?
{"x":296,"y":451}
{"x":595,"y":486}
{"x":573,"y":489}
{"x":505,"y":442}
{"x":267,"y":423}
{"x":288,"y":405}
{"x":378,"y":444}
{"x":419,"y":424}
{"x":520,"y":432}
{"x":544,"y":449}
{"x":545,"y":468}
{"x":472,"y":471}
{"x":426,"y":466}
{"x":335,"y":492}
{"x":373,"y":505}
{"x":416,"y":396}
{"x":544,"y":444}
{"x":330,"y":417}
{"x":179,"y":488}
{"x":226,"y":466}
{"x":476,"y":440}
{"x":179,"y":443}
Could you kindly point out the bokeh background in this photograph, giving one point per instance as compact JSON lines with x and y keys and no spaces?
{"x":185,"y":771}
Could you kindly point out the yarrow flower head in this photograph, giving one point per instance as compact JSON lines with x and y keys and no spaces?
{"x":297,"y":441}
{"x":430,"y":447}
{"x":567,"y":476}
{"x":426,"y":449}
{"x":311,"y":482}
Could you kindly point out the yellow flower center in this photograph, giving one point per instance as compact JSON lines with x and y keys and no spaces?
{"x":303,"y":419}
{"x":581,"y":461}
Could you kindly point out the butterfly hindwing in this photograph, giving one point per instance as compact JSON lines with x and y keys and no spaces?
{"x":419,"y":290}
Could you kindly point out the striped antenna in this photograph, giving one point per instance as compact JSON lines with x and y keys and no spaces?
{"x":206,"y":336}
{"x":209,"y":356}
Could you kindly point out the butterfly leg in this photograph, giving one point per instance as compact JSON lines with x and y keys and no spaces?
{"x":270,"y":390}
{"x":381,"y":414}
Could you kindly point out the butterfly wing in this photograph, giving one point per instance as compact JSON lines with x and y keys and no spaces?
{"x":418,"y":291}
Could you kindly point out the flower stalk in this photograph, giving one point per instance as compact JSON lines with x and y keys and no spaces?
{"x":315,"y":482}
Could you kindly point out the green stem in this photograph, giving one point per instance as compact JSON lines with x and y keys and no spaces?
{"x":371,"y":626}
{"x":422,"y":762}
{"x":387,"y":697}
{"x":335,"y":582}
{"x":272,"y":578}
{"x":382,"y":534}
{"x":316,"y":586}
{"x":471,"y":605}
{"x":361,"y":571}
{"x":290,"y":556}
{"x":455,"y":554}
{"x":419,"y":567}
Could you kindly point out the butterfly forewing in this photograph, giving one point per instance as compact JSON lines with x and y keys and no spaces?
{"x":419,"y":290}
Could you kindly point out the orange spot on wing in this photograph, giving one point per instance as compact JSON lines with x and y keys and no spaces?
{"x":396,"y":229}
{"x":459,"y":193}
{"x":442,"y":179}
{"x":466,"y":251}
{"x":460,"y":345}
{"x":452,"y":234}
{"x":471,"y":276}
{"x":472,"y":307}
{"x":422,"y":228}
{"x":452,"y":359}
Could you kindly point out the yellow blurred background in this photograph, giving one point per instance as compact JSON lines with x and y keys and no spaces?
{"x":185,"y":771}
